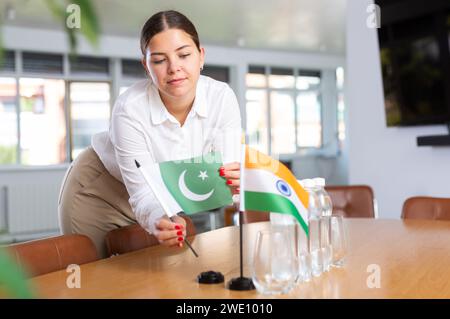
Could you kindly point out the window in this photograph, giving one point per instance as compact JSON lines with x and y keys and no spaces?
{"x":42,"y":63}
{"x":309,"y":115}
{"x":132,"y":69}
{"x":42,"y":121}
{"x":281,"y":78}
{"x":89,"y":112}
{"x":8,"y":63}
{"x":256,"y":77}
{"x":37,"y":105}
{"x":282,"y":122}
{"x":8,"y":121}
{"x":283,"y":108}
{"x":309,"y":120}
{"x":256,"y":111}
{"x":341,"y":104}
{"x":82,"y":65}
{"x":219,"y":73}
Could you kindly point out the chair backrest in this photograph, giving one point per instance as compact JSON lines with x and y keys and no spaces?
{"x":423,"y":207}
{"x":229,"y":215}
{"x":42,"y":256}
{"x":348,"y":201}
{"x":134,"y":237}
{"x":352,"y":200}
{"x":251,"y":216}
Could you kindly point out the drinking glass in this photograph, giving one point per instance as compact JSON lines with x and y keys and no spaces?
{"x":275,"y":269}
{"x":338,"y":238}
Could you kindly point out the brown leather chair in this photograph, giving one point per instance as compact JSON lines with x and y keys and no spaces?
{"x":352,"y":200}
{"x":422,"y":207}
{"x":229,"y":213}
{"x":134,"y":237}
{"x":348,"y":201}
{"x":251,"y":216}
{"x":42,"y":256}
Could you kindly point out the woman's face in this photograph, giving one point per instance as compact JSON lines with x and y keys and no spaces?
{"x":173,"y":62}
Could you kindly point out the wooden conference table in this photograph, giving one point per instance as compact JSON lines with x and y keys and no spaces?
{"x":413,"y":258}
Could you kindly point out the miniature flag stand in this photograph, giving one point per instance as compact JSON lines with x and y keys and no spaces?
{"x":241,"y":282}
{"x":267,"y":186}
{"x":190,"y":186}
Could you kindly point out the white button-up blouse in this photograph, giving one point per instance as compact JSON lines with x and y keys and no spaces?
{"x":142,"y":129}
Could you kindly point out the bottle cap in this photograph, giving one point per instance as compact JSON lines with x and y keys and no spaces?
{"x":308,"y":183}
{"x":319,"y":181}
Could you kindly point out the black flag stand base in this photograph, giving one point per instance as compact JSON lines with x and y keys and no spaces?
{"x":210,"y":277}
{"x":240,"y":283}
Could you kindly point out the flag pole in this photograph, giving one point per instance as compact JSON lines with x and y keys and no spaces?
{"x":241,"y":282}
{"x":240,"y":242}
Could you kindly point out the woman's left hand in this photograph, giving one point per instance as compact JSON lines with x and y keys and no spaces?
{"x":231,"y":172}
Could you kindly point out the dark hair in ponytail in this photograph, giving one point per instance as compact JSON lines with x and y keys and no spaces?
{"x":165,"y":20}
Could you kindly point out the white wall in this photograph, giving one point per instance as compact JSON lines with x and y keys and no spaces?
{"x":37,"y":215}
{"x":387,"y":159}
{"x":333,"y":169}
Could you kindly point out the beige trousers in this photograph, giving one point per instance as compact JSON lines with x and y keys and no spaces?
{"x":92,"y":202}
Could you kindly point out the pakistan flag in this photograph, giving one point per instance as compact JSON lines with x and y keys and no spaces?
{"x":192,"y":185}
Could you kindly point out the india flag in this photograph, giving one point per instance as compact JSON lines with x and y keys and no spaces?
{"x":267,"y":185}
{"x":191,"y":186}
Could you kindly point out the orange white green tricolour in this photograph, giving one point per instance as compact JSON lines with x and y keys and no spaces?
{"x":267,"y":185}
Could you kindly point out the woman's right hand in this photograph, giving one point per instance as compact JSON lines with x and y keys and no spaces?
{"x":171,"y":233}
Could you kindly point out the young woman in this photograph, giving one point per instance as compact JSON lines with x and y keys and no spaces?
{"x":175,"y":114}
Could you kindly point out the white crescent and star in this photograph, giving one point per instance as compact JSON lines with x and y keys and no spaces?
{"x":188,"y":193}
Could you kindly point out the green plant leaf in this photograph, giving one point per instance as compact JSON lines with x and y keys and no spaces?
{"x":56,"y":9}
{"x":12,"y":278}
{"x":89,"y":22}
{"x":90,"y":27}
